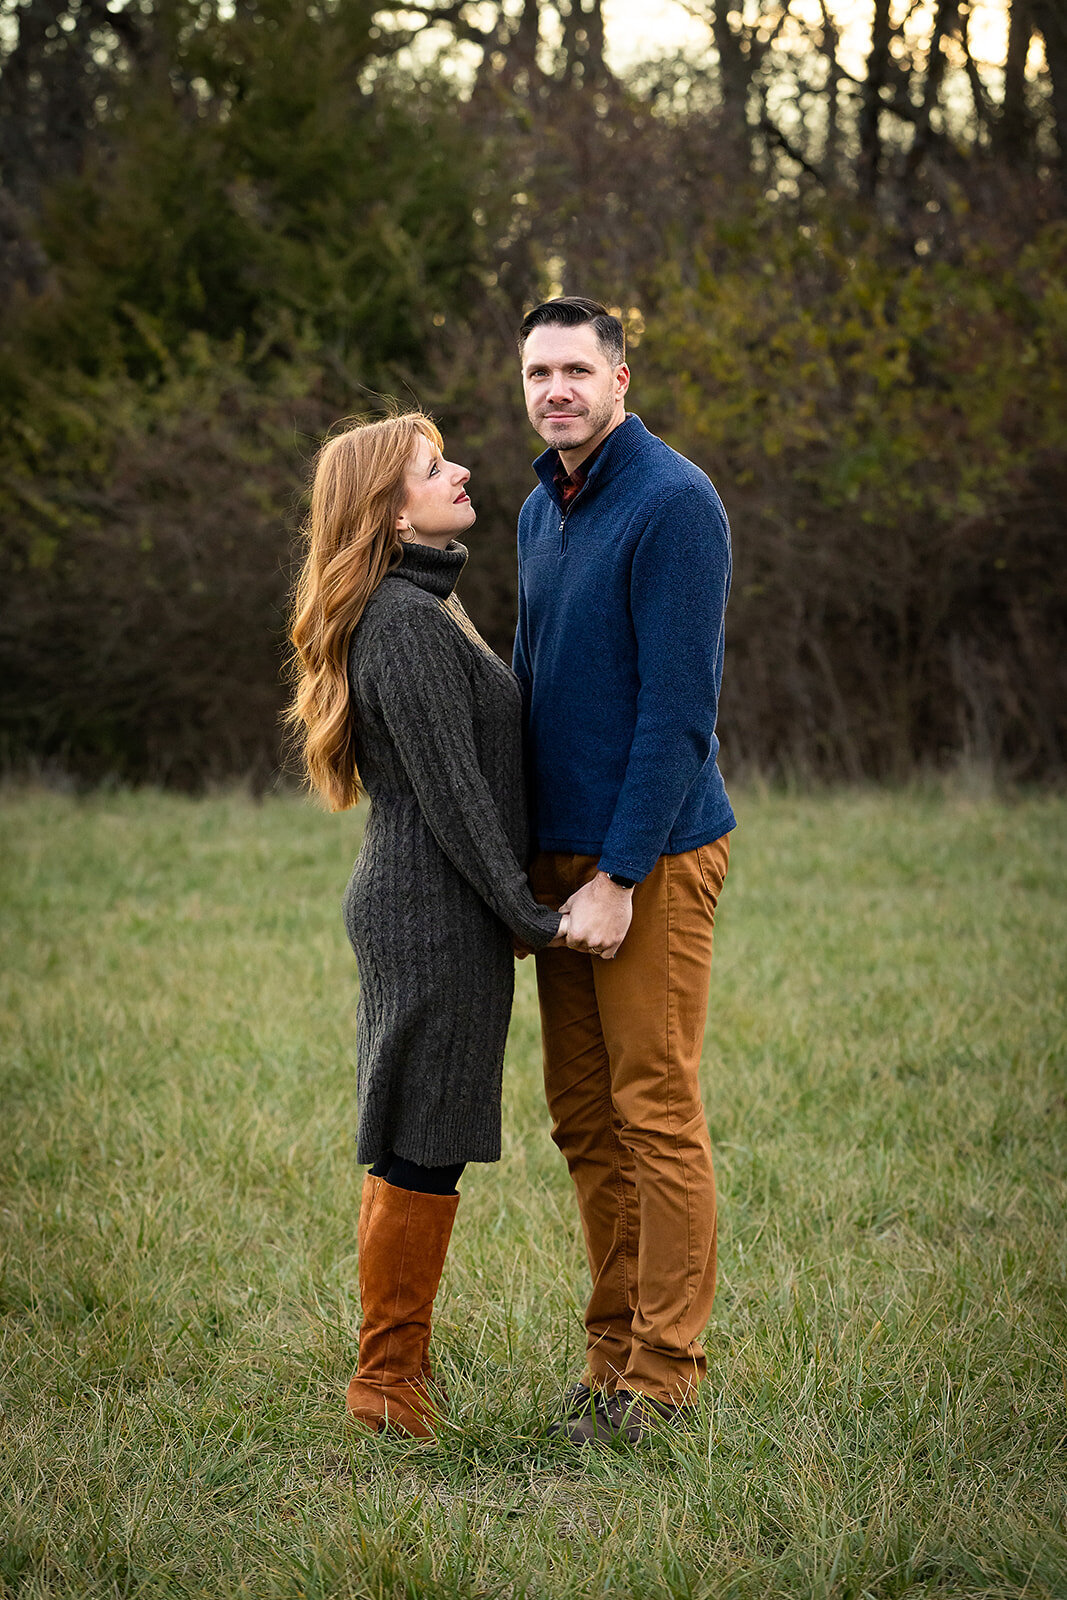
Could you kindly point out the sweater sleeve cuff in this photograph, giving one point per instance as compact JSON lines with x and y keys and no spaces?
{"x":625,"y":869}
{"x":539,"y":928}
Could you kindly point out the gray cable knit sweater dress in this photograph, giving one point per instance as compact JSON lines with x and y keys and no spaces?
{"x":438,"y":888}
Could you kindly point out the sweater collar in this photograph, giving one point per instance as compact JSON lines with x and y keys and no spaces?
{"x":437,"y":571}
{"x":613,"y":454}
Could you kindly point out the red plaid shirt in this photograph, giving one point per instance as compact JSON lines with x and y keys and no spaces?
{"x":569,"y":484}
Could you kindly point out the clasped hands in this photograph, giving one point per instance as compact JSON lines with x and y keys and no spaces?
{"x":596,"y":918}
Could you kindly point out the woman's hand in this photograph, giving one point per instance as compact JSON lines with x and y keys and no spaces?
{"x":522,"y":951}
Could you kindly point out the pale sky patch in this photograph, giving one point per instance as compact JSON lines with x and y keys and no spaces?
{"x":640,"y":30}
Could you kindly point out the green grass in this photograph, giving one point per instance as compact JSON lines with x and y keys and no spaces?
{"x":885,"y":1081}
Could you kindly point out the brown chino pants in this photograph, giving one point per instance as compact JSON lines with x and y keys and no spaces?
{"x":622,"y":1042}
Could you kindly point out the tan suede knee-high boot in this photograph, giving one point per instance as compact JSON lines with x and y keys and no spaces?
{"x":370,"y":1189}
{"x":403,"y":1239}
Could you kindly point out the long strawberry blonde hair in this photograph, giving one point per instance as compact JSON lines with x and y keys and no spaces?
{"x":351,"y":542}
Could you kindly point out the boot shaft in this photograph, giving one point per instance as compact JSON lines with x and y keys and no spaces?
{"x":403,"y":1238}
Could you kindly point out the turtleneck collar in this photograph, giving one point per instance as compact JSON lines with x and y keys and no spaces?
{"x":434,"y":570}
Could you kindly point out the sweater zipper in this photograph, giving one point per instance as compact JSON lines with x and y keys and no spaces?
{"x":563,"y":521}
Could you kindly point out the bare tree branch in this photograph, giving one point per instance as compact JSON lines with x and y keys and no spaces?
{"x":983,"y":105}
{"x":785,"y":144}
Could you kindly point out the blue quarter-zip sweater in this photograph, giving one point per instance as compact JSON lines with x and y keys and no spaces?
{"x":619,"y":652}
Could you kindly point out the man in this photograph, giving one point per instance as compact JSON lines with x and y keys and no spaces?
{"x":624,"y":571}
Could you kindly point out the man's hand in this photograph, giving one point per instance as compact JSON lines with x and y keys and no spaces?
{"x":600,"y":913}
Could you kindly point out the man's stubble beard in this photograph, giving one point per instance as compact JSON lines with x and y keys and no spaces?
{"x":595,"y":423}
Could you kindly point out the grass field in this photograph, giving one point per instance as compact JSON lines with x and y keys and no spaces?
{"x":886,"y":1085}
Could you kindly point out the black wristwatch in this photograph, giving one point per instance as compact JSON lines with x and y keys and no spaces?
{"x":623,"y":883}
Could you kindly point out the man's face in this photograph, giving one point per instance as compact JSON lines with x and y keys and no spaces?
{"x":574,"y":396}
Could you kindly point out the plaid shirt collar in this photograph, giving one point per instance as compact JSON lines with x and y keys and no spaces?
{"x":568,"y":484}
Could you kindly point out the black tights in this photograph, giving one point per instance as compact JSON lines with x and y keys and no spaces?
{"x":401,"y":1174}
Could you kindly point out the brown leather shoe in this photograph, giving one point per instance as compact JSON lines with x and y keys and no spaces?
{"x":403,"y":1239}
{"x":577,"y":1402}
{"x":623,"y":1418}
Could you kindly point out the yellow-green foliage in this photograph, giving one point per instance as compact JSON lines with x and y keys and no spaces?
{"x":885,"y":387}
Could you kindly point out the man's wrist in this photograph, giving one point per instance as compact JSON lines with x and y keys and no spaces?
{"x":620,"y":880}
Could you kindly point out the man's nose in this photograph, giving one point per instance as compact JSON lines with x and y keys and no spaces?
{"x":559,"y":388}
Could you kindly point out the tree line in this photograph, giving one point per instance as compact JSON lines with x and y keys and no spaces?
{"x":225,"y":226}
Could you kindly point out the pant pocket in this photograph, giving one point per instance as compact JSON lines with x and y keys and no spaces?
{"x":712,"y":860}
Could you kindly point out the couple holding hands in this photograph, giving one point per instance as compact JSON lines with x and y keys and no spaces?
{"x":599,"y":750}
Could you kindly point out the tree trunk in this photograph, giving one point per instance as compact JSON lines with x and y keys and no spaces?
{"x":1050,"y":16}
{"x":1015,"y":129}
{"x":870,"y":120}
{"x":831,"y":40}
{"x":945,"y":21}
{"x":583,"y":44}
{"x":595,"y":29}
{"x":524,"y":43}
{"x":735,"y":76}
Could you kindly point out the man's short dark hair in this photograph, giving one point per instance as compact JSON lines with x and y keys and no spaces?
{"x":573,"y":311}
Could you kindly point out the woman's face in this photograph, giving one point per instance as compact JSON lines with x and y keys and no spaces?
{"x":436,"y":505}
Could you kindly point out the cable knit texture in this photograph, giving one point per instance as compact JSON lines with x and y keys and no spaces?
{"x":438,"y":890}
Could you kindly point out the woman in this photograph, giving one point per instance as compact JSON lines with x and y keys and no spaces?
{"x":398,"y":696}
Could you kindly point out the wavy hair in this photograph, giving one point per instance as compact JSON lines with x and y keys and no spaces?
{"x":351,"y":542}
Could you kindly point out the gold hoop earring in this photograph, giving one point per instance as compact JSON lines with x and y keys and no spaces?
{"x":407,"y":535}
